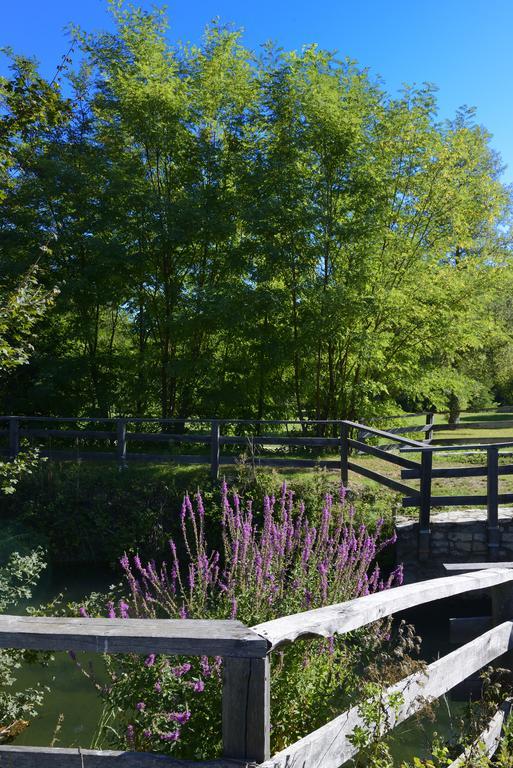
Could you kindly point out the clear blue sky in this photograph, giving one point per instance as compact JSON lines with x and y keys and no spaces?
{"x":464,"y":46}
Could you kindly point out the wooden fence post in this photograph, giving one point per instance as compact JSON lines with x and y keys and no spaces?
{"x":492,"y":496}
{"x":14,"y":436}
{"x":344,"y":454}
{"x":426,"y":466}
{"x":121,"y":441}
{"x":246,"y":709}
{"x":214,"y":450}
{"x":502,"y":610}
{"x":430,"y":420}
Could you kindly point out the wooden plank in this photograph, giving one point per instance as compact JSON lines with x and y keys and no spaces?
{"x":464,"y":629}
{"x":353,"y":614}
{"x":196,"y":637}
{"x":383,"y":480}
{"x":273,"y":440}
{"x":487,"y":742}
{"x":168,"y":437}
{"x":267,"y":461}
{"x":86,"y":434}
{"x":461,"y":441}
{"x":381,"y":433}
{"x":329,"y":746}
{"x":449,"y":501}
{"x":469,"y":567}
{"x":246,"y":709}
{"x":492,"y":494}
{"x":46,"y":757}
{"x":215,"y":432}
{"x":445,"y":472}
{"x":455,"y":445}
{"x":457,"y":501}
{"x":373,"y":450}
{"x":497,"y":424}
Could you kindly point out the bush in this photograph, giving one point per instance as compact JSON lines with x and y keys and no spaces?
{"x":273,"y":563}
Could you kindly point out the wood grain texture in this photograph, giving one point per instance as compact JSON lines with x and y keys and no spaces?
{"x":329,"y":746}
{"x":345,"y":617}
{"x":43,"y":757}
{"x":469,"y":567}
{"x":246,"y":709}
{"x":170,"y":636}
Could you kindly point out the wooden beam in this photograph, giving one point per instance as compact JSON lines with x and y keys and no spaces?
{"x":353,"y":614}
{"x":381,"y":433}
{"x":469,"y":567}
{"x":386,"y":456}
{"x":196,"y":637}
{"x":46,"y":757}
{"x":329,"y":746}
{"x":246,"y":709}
{"x":383,"y":480}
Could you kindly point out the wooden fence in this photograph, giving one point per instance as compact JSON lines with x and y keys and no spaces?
{"x":345,"y":439}
{"x":246,"y":671}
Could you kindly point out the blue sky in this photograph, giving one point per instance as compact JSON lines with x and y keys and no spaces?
{"x":463,"y":46}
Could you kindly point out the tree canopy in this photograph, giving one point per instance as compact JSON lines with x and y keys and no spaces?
{"x":243,"y":235}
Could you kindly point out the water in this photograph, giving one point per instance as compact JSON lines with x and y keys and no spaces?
{"x":73,"y":696}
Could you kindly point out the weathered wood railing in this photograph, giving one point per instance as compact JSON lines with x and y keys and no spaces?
{"x":246,"y":651}
{"x":347,"y":442}
{"x":493,"y":470}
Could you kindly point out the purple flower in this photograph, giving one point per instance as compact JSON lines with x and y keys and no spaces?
{"x":130,"y":735}
{"x":181,"y":670}
{"x":158,"y":686}
{"x":140,"y":706}
{"x":83,"y":612}
{"x":199,"y":686}
{"x":180,"y":717}
{"x":123,"y":609}
{"x":170,"y":736}
{"x":150,"y":660}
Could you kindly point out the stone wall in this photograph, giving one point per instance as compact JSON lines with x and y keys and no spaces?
{"x":457,"y":536}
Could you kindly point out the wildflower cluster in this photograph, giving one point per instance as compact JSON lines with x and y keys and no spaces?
{"x":282,"y":560}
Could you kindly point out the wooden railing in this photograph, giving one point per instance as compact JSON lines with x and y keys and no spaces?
{"x":345,"y":439}
{"x":493,"y":470}
{"x":246,"y":677}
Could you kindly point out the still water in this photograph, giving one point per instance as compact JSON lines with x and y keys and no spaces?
{"x":73,"y":699}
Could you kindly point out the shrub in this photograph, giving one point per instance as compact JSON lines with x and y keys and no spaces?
{"x":17,"y":577}
{"x":270,"y":564}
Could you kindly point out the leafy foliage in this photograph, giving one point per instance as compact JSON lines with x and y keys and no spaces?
{"x":246,"y":235}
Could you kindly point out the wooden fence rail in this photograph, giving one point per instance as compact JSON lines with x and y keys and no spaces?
{"x":343,"y":442}
{"x":246,"y":684}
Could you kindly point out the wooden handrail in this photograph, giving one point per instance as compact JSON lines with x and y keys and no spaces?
{"x":353,"y":614}
{"x":330,"y":745}
{"x":195,"y":637}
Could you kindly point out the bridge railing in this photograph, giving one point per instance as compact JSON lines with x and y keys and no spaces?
{"x":246,"y":678}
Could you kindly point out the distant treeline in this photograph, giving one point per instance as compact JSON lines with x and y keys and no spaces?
{"x":248,"y":235}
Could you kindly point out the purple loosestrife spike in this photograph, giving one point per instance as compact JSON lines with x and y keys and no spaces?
{"x":83,"y":612}
{"x":125,"y":563}
{"x":147,"y":733}
{"x":180,"y":717}
{"x":181,"y":670}
{"x":111,"y":610}
{"x":150,"y":660}
{"x":158,"y":686}
{"x":170,"y":736}
{"x":198,"y":686}
{"x":124,"y":609}
{"x":130,"y":735}
{"x":140,"y":706}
